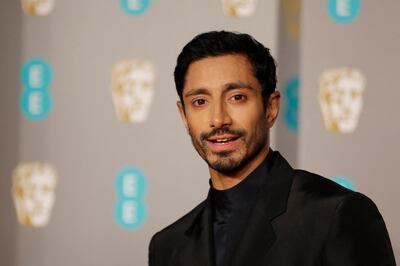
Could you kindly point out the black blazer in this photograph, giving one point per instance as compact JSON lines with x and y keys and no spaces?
{"x":299,"y":219}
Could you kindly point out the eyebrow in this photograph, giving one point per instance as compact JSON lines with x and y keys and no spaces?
{"x":197,"y":92}
{"x":227,"y":87}
{"x":238,"y":85}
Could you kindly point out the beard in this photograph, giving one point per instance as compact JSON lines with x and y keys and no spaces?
{"x":230,"y":161}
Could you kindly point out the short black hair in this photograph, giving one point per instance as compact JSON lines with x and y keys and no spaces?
{"x":217,"y":43}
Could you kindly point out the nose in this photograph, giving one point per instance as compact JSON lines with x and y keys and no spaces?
{"x":220,"y":116}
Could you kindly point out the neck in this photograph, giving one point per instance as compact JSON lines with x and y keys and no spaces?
{"x":222,"y":181}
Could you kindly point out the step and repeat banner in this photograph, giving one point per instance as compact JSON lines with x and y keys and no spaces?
{"x":348,"y":97}
{"x":103,"y":161}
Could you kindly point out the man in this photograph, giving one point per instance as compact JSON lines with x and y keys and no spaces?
{"x":259,"y":211}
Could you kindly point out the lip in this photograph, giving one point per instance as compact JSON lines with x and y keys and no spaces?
{"x":222,"y":146}
{"x":221,"y":137}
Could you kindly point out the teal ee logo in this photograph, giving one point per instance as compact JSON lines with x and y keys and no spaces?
{"x":36,"y":74}
{"x":291,"y":107}
{"x":343,"y":11}
{"x":344,"y":182}
{"x":130,"y":187}
{"x":36,"y":100}
{"x":35,"y":104}
{"x":134,"y":7}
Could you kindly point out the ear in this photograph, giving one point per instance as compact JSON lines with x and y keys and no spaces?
{"x":182,"y":113}
{"x":273,"y":108}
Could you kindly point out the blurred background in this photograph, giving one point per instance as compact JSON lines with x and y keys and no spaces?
{"x":93,"y":156}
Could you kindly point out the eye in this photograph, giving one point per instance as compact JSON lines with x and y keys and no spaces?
{"x":198,"y":102}
{"x":239,"y":97}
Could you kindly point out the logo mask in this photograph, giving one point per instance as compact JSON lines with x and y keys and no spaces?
{"x":37,"y":7}
{"x":340,"y":95}
{"x":132,"y":90}
{"x":33,"y":190}
{"x":239,"y":8}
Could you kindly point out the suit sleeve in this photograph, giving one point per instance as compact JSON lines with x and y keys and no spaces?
{"x":358,"y":235}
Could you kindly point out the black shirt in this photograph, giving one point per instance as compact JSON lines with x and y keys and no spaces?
{"x":231,"y":209}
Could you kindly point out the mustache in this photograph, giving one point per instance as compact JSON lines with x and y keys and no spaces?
{"x":222,"y":131}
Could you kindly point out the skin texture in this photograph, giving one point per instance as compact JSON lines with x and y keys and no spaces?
{"x":223,"y":100}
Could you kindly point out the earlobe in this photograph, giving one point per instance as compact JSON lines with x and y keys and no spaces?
{"x":182,"y":113}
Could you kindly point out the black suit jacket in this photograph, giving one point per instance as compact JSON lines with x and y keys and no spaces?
{"x":299,"y":219}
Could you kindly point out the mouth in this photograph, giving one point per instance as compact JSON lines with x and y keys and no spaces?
{"x":222,"y":142}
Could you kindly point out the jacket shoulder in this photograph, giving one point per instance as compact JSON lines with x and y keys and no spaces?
{"x":319,"y":186}
{"x":314,"y":192}
{"x":319,"y":193}
{"x":336,"y":215}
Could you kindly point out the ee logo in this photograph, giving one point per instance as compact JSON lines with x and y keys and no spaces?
{"x":130,"y":187}
{"x":291,"y":94}
{"x":343,"y":11}
{"x":134,"y":7}
{"x":344,"y":182}
{"x":36,"y":78}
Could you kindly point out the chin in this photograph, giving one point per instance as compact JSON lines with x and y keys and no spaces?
{"x":226,"y":165}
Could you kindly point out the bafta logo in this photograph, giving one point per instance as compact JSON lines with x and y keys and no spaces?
{"x":340,"y":95}
{"x":239,"y":8}
{"x":33,"y":190}
{"x":37,"y":7}
{"x":132,"y":90}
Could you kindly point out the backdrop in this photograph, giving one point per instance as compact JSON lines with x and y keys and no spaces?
{"x":111,"y":180}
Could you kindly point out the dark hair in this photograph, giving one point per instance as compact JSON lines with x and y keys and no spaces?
{"x":216,"y":43}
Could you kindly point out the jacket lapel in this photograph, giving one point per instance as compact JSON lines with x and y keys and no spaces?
{"x":259,"y":235}
{"x":196,"y":250}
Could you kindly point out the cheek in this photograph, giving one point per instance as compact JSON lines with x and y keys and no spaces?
{"x":194,"y":131}
{"x":248,"y":118}
{"x":197,"y":121}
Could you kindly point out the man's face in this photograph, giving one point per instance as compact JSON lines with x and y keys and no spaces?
{"x":223,"y":111}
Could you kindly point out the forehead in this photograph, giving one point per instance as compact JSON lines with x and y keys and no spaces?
{"x":217,"y":71}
